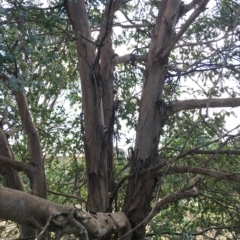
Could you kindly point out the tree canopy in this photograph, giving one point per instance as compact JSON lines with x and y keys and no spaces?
{"x":119,"y":119}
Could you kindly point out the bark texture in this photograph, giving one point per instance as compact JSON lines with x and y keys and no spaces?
{"x":151,"y":119}
{"x":95,"y":149}
{"x":43,"y":214}
{"x":96,"y":73}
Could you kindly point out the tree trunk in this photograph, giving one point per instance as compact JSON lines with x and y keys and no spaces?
{"x":151,"y":119}
{"x":97,"y":98}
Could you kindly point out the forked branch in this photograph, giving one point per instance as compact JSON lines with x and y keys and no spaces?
{"x":185,"y":26}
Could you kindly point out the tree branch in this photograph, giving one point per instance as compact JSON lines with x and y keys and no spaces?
{"x":202,"y":103}
{"x":152,"y":169}
{"x":67,"y":195}
{"x":228,"y":152}
{"x":190,"y":6}
{"x":19,"y":166}
{"x":173,"y":197}
{"x":232,"y":177}
{"x":128,"y":57}
{"x":38,"y":178}
{"x":195,"y":233}
{"x":132,"y":25}
{"x":173,"y":160}
{"x":192,"y":44}
{"x":185,"y":26}
{"x":105,"y":30}
{"x":220,"y":202}
{"x":162,"y":204}
{"x":27,"y":210}
{"x":130,"y":20}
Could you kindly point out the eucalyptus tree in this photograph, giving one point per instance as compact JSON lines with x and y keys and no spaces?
{"x":155,"y":69}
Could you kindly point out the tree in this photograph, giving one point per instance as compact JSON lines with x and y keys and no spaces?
{"x":184,"y":159}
